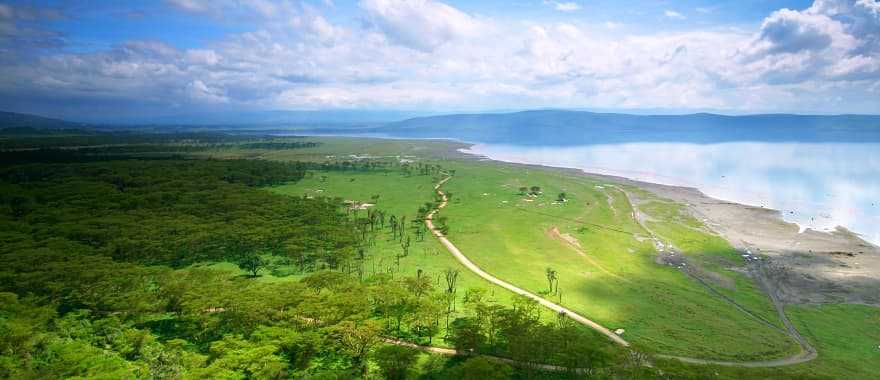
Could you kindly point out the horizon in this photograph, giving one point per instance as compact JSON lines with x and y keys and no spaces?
{"x":330,"y":117}
{"x":108,"y":62}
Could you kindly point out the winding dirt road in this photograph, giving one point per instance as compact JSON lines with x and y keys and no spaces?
{"x":488,"y":277}
{"x":807,"y":352}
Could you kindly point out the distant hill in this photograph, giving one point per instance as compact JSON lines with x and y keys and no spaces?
{"x":14,"y":120}
{"x":558,"y":127}
{"x":538,"y":127}
{"x":278,"y":117}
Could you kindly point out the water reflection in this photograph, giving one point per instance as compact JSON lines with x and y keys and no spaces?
{"x":818,"y":186}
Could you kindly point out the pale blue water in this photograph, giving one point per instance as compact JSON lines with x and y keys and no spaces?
{"x":816,"y":185}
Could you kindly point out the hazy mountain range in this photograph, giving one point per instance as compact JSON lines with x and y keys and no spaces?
{"x":540,"y":127}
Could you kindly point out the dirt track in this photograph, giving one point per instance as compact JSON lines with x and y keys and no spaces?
{"x":474,"y":268}
{"x":573,"y":243}
{"x":807,"y":353}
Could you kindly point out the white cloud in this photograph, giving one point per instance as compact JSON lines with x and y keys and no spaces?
{"x":202,"y":57}
{"x":420,"y":24}
{"x":425,"y":54}
{"x":612,"y":24}
{"x":190,"y":5}
{"x":674,"y":15}
{"x":563,"y":6}
{"x":788,"y":31}
{"x":200,"y":92}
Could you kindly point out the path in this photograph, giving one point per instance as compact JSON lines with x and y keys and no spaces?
{"x":807,"y":352}
{"x":474,"y":268}
{"x":573,"y":243}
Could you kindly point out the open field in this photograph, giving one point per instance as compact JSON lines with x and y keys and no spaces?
{"x":622,"y":282}
{"x":657,"y":305}
{"x":511,"y":236}
{"x":398,"y":195}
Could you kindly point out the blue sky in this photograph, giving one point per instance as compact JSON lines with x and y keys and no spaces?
{"x":112,"y":60}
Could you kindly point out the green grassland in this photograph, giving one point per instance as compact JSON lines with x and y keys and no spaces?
{"x":847,"y":337}
{"x":398,"y":195}
{"x":347,"y":148}
{"x":661,"y":309}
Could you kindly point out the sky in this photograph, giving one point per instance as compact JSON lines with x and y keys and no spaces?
{"x":110,"y":60}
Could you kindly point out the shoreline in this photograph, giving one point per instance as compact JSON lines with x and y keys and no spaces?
{"x":808,"y":266}
{"x":802,"y":227}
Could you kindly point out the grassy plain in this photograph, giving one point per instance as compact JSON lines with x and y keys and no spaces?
{"x":659,"y":307}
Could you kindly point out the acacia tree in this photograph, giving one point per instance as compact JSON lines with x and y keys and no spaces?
{"x":357,"y":341}
{"x":523,"y":190}
{"x":401,"y":226}
{"x":395,"y":361}
{"x":252,"y":263}
{"x":551,"y":278}
{"x":393,"y":222}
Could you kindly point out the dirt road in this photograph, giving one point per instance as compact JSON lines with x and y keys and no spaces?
{"x":488,"y":277}
{"x":807,"y":353}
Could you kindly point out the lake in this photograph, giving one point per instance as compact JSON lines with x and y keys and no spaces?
{"x":816,"y":185}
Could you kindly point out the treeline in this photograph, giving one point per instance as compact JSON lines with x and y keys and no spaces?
{"x":18,"y":139}
{"x":171,"y":212}
{"x":69,"y":313}
{"x":279,"y":145}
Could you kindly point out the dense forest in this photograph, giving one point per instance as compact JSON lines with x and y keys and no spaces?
{"x":21,"y":138}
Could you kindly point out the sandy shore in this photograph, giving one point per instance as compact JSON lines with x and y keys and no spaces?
{"x":804,"y":267}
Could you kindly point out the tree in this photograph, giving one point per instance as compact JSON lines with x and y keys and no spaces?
{"x":480,"y":368}
{"x":255,"y":359}
{"x":252,"y":263}
{"x":357,"y":340}
{"x":451,"y":283}
{"x":551,"y":278}
{"x":466,"y":334}
{"x":394,"y":361}
{"x":536,"y":190}
{"x":523,"y":190}
{"x":418,"y":286}
{"x":324,"y":279}
{"x":562,"y":197}
{"x":20,"y":206}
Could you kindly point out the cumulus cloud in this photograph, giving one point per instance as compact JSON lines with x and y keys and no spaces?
{"x":832,"y":40}
{"x":202,"y":57}
{"x":420,"y":24}
{"x":563,"y":6}
{"x":200,"y":92}
{"x":674,"y":15}
{"x":788,"y":31}
{"x":19,"y":35}
{"x":427,"y":54}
